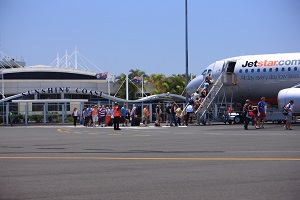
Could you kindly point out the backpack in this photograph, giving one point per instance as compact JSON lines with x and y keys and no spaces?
{"x":168,"y":109}
{"x":285,"y":112}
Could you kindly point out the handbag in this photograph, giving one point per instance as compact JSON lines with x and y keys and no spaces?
{"x":250,"y":114}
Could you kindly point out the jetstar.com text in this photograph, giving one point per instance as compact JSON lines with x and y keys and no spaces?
{"x":271,"y":63}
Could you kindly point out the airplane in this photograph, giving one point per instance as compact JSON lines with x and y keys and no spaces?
{"x":274,"y":76}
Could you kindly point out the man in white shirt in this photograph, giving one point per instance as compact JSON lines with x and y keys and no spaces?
{"x":189,"y":111}
{"x":289,"y":108}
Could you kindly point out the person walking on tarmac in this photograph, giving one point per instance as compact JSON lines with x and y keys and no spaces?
{"x":261,"y":112}
{"x":116,"y":116}
{"x":247,"y":117}
{"x":75,"y":115}
{"x":289,"y":109}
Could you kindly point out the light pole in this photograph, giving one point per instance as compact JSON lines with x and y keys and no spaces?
{"x":142,"y":85}
{"x":186,"y":54}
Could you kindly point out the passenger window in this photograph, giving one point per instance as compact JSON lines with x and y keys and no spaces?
{"x":289,"y":69}
{"x":241,"y":71}
{"x":295,"y":68}
{"x":282,"y":69}
{"x":270,"y":70}
{"x":258,"y":70}
{"x":264,"y":70}
{"x":246,"y":70}
{"x":276,"y":69}
{"x":252,"y":70}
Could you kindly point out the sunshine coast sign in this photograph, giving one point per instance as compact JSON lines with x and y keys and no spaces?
{"x":56,"y":90}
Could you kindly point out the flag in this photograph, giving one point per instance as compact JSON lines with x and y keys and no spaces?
{"x":102,"y":76}
{"x":137,"y":79}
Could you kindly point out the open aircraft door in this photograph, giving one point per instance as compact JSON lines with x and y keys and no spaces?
{"x":216,"y":70}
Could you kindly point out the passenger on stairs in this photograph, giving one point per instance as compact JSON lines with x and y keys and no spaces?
{"x":208,"y":79}
{"x":206,"y":86}
{"x":202,"y":94}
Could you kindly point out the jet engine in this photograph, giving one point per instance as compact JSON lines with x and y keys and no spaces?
{"x":285,"y":95}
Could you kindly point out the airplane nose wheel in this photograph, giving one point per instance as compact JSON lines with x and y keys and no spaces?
{"x":237,"y":119}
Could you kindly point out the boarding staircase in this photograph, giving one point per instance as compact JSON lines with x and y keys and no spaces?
{"x":209,"y":99}
{"x":206,"y":112}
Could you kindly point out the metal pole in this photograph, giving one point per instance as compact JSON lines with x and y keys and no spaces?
{"x":127,"y":95}
{"x":63,"y":113}
{"x":45,"y":111}
{"x":186,"y":54}
{"x":66,"y":59}
{"x":142,"y":85}
{"x":108,"y":87}
{"x":3,"y":96}
{"x":57,"y":60}
{"x":26,"y":114}
{"x":7,"y":113}
{"x":75,"y":57}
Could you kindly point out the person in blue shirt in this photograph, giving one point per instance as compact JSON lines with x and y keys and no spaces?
{"x":206,"y":86}
{"x":261,"y":115}
{"x":85,"y":115}
{"x":123,"y":114}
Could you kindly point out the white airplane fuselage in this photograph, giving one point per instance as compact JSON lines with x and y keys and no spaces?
{"x":255,"y":76}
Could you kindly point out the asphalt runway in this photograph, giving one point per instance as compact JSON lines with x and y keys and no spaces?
{"x":195,"y":162}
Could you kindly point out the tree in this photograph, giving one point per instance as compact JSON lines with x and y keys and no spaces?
{"x":177,"y":83}
{"x":133,"y":88}
{"x":157,"y":80}
{"x":174,"y":84}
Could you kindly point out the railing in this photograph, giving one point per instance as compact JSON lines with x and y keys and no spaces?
{"x":210,"y":97}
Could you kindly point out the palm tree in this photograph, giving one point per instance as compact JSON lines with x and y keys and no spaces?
{"x":177,"y":83}
{"x":133,"y":88}
{"x":157,"y":80}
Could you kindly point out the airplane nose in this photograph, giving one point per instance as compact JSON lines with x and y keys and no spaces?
{"x":194,"y":84}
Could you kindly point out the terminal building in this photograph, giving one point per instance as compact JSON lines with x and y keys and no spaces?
{"x":48,"y":94}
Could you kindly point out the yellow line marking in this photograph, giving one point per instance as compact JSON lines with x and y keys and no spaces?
{"x":158,"y":159}
{"x":142,"y":135}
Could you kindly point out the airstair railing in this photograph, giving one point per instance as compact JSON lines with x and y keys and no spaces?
{"x":198,"y":89}
{"x":210,"y":97}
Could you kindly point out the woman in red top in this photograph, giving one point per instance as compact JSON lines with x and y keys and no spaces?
{"x":116,"y":116}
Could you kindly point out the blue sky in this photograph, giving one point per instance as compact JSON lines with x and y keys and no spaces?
{"x":149,"y":35}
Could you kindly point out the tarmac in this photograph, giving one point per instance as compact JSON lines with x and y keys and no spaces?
{"x":215,"y":161}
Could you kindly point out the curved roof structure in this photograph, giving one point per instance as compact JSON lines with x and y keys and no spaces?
{"x":47,"y":72}
{"x":164,"y":96}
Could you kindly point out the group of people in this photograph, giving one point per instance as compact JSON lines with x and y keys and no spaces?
{"x":94,"y":115}
{"x":174,"y":114}
{"x":257,"y":114}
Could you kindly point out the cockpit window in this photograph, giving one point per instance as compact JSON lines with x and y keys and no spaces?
{"x":209,"y":71}
{"x":204,"y":72}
